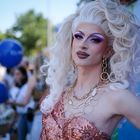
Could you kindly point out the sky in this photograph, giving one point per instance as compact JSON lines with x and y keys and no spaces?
{"x":55,"y":10}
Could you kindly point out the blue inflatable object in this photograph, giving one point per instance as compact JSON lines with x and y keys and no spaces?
{"x":128,"y":132}
{"x":3,"y":93}
{"x":11,"y":53}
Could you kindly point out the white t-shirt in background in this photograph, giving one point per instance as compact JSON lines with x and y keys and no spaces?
{"x":21,"y":94}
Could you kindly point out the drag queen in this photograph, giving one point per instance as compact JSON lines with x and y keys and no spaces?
{"x":87,"y":73}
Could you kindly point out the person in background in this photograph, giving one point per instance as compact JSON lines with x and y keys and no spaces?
{"x":23,"y":101}
{"x":39,"y":92}
{"x":25,"y":63}
{"x":40,"y":89}
{"x":8,"y":78}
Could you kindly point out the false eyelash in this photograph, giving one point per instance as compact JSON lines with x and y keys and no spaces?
{"x":96,"y":40}
{"x":77,"y":36}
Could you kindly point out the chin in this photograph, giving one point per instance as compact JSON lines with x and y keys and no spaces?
{"x":83,"y":63}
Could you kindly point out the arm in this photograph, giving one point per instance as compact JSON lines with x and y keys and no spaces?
{"x":28,"y":94}
{"x":128,"y":105}
{"x":13,"y":103}
{"x":30,"y":88}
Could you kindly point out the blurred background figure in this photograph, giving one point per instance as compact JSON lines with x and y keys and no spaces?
{"x":8,"y":78}
{"x":25,"y":86}
{"x":22,"y":101}
{"x":6,"y":112}
{"x":40,"y":90}
{"x":25,"y":63}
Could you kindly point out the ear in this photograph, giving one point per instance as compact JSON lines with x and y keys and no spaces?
{"x":108,"y":52}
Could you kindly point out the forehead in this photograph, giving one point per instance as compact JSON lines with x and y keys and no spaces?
{"x":89,"y":28}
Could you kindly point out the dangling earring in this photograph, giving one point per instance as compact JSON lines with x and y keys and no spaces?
{"x":74,"y":67}
{"x":104,"y":75}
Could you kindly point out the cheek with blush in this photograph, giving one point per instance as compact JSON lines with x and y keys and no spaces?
{"x":97,"y":53}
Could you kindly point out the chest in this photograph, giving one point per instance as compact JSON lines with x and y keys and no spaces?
{"x":75,"y":121}
{"x":95,"y":109}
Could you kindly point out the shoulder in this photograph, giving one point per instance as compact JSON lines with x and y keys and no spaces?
{"x":24,"y":87}
{"x":122,"y":100}
{"x":118,"y":93}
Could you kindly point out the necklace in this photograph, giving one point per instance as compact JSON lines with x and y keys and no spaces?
{"x":92,"y":92}
{"x":83,"y":106}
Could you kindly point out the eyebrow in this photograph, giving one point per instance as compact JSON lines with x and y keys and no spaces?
{"x":97,"y":34}
{"x":92,"y":34}
{"x":80,"y":32}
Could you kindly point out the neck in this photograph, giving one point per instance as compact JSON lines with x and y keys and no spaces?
{"x":88,"y":77}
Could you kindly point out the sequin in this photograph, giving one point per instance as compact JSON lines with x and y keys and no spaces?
{"x":57,"y":127}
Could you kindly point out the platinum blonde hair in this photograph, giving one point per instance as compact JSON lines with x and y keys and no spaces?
{"x":118,"y":24}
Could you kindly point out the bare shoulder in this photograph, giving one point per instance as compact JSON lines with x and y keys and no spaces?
{"x":120,"y":94}
{"x":125,"y":103}
{"x":117,"y":94}
{"x":122,"y":100}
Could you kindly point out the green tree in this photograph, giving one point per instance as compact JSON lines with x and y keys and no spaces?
{"x":2,"y":36}
{"x":31,"y":29}
{"x":7,"y":34}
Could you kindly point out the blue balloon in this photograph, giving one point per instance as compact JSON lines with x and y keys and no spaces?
{"x":11,"y":53}
{"x":3,"y":93}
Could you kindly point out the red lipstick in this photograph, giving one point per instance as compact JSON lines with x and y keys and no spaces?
{"x":82,"y":55}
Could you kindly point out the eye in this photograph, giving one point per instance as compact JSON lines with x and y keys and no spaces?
{"x":96,"y":40}
{"x":78,"y":36}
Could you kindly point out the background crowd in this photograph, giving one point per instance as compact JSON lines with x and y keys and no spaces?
{"x":20,"y":115}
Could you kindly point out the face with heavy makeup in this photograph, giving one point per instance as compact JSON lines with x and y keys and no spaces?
{"x":89,"y":45}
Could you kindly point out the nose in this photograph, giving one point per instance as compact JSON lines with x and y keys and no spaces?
{"x":84,"y":45}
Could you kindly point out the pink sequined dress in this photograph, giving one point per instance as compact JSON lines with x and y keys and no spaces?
{"x":57,"y":127}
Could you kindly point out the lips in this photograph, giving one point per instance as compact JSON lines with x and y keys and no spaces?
{"x":82,"y":55}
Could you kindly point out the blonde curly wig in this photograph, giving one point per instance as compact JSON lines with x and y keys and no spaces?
{"x":118,"y":24}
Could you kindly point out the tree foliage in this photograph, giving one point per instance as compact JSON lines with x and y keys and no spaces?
{"x":30,"y":29}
